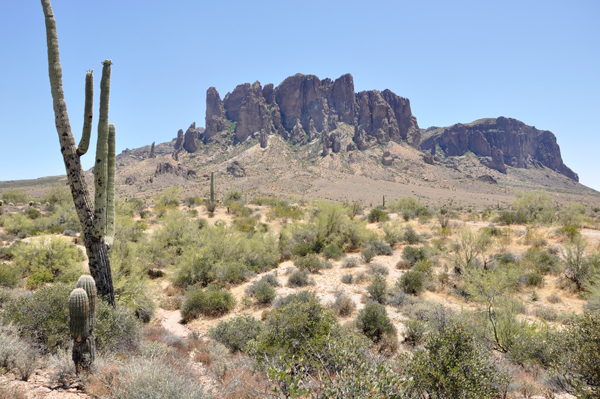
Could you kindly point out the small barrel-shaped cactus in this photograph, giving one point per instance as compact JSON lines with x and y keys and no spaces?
{"x":89,"y":286}
{"x":79,"y":313}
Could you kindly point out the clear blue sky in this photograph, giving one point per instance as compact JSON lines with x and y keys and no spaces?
{"x":457,"y":61}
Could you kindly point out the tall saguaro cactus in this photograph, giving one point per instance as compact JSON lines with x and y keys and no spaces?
{"x":97,"y":220}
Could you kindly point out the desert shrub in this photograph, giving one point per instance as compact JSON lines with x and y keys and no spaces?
{"x":553,"y":298}
{"x":410,"y":208}
{"x":377,"y":289}
{"x":424,"y":267}
{"x":378,"y":269}
{"x":18,"y":225}
{"x":368,"y":254}
{"x":393,"y":232}
{"x":537,"y":206}
{"x":572,"y":215}
{"x":380,"y":247}
{"x":169,"y":198}
{"x":32,"y":213}
{"x":377,"y":215}
{"x":373,"y":321}
{"x":9,"y":275}
{"x":410,"y":236}
{"x":237,"y":332}
{"x":576,"y":365}
{"x":412,"y":282}
{"x":143,"y":378}
{"x":533,"y":279}
{"x":269,"y":279}
{"x":403,"y":265}
{"x":350,"y":262}
{"x":298,"y":322}
{"x":332,"y":251}
{"x":284,"y":210}
{"x":347,"y":278}
{"x":343,"y":305}
{"x":245,"y":224}
{"x":310,"y":262}
{"x":298,"y":278}
{"x":400,"y":299}
{"x":57,"y":194}
{"x":15,"y":196}
{"x":211,"y":301}
{"x":580,"y":269}
{"x":263,"y":292}
{"x":44,"y":317}
{"x":10,"y":346}
{"x":414,"y":254}
{"x":452,"y":364}
{"x":546,"y":313}
{"x":542,"y":261}
{"x":26,"y":362}
{"x":508,"y":217}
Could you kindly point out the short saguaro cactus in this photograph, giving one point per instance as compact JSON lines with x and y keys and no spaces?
{"x":82,"y":313}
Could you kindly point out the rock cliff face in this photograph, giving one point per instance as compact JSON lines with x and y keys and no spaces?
{"x":304,"y":108}
{"x":500,"y":142}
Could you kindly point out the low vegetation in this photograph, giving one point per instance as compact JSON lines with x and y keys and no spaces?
{"x":311,"y":300}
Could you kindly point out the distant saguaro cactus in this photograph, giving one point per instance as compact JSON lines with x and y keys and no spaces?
{"x":97,"y":221}
{"x":82,"y":314}
{"x":211,"y":204}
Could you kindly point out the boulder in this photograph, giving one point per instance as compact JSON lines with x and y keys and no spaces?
{"x":130,"y":180}
{"x":428,"y":159}
{"x":487,"y":179}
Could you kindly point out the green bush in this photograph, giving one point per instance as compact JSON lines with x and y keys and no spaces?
{"x":298,"y":278}
{"x":412,"y":282}
{"x":117,"y":329}
{"x":373,"y":321}
{"x":311,"y":262}
{"x":576,"y":364}
{"x":377,"y":215}
{"x":368,"y":254}
{"x":380,"y":247}
{"x":534,"y":279}
{"x":237,"y":332}
{"x":454,"y":365}
{"x":211,"y":301}
{"x":15,"y":196}
{"x":332,"y":251}
{"x":378,"y":269}
{"x":297,"y":323}
{"x":9,"y":276}
{"x":263,"y":292}
{"x":169,"y":198}
{"x":393,"y":233}
{"x":414,"y":254}
{"x":377,"y":289}
{"x":542,"y":261}
{"x":33,"y":213}
{"x":410,"y":236}
{"x":46,"y":261}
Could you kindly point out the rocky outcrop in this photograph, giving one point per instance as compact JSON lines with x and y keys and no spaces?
{"x":236,"y":169}
{"x":179,"y":141}
{"x":190,"y":138}
{"x":152,"y":154}
{"x":215,"y":114}
{"x":304,"y":108}
{"x":500,"y":142}
{"x":179,"y":170}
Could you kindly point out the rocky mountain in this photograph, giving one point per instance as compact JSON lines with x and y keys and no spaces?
{"x":498,"y":142}
{"x":304,"y":108}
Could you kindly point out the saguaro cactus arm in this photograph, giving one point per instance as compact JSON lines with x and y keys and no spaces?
{"x":88,"y":114}
{"x":110,"y":186}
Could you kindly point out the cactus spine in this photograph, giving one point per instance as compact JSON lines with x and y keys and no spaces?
{"x":82,"y":319}
{"x":97,"y":221}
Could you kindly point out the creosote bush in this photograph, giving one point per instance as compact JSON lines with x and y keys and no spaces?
{"x":377,"y":215}
{"x":237,"y":332}
{"x":211,"y":301}
{"x":299,"y":278}
{"x":373,"y":321}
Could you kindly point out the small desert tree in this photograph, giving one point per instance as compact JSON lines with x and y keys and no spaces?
{"x":97,"y":220}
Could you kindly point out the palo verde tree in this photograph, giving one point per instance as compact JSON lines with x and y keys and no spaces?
{"x":97,"y":219}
